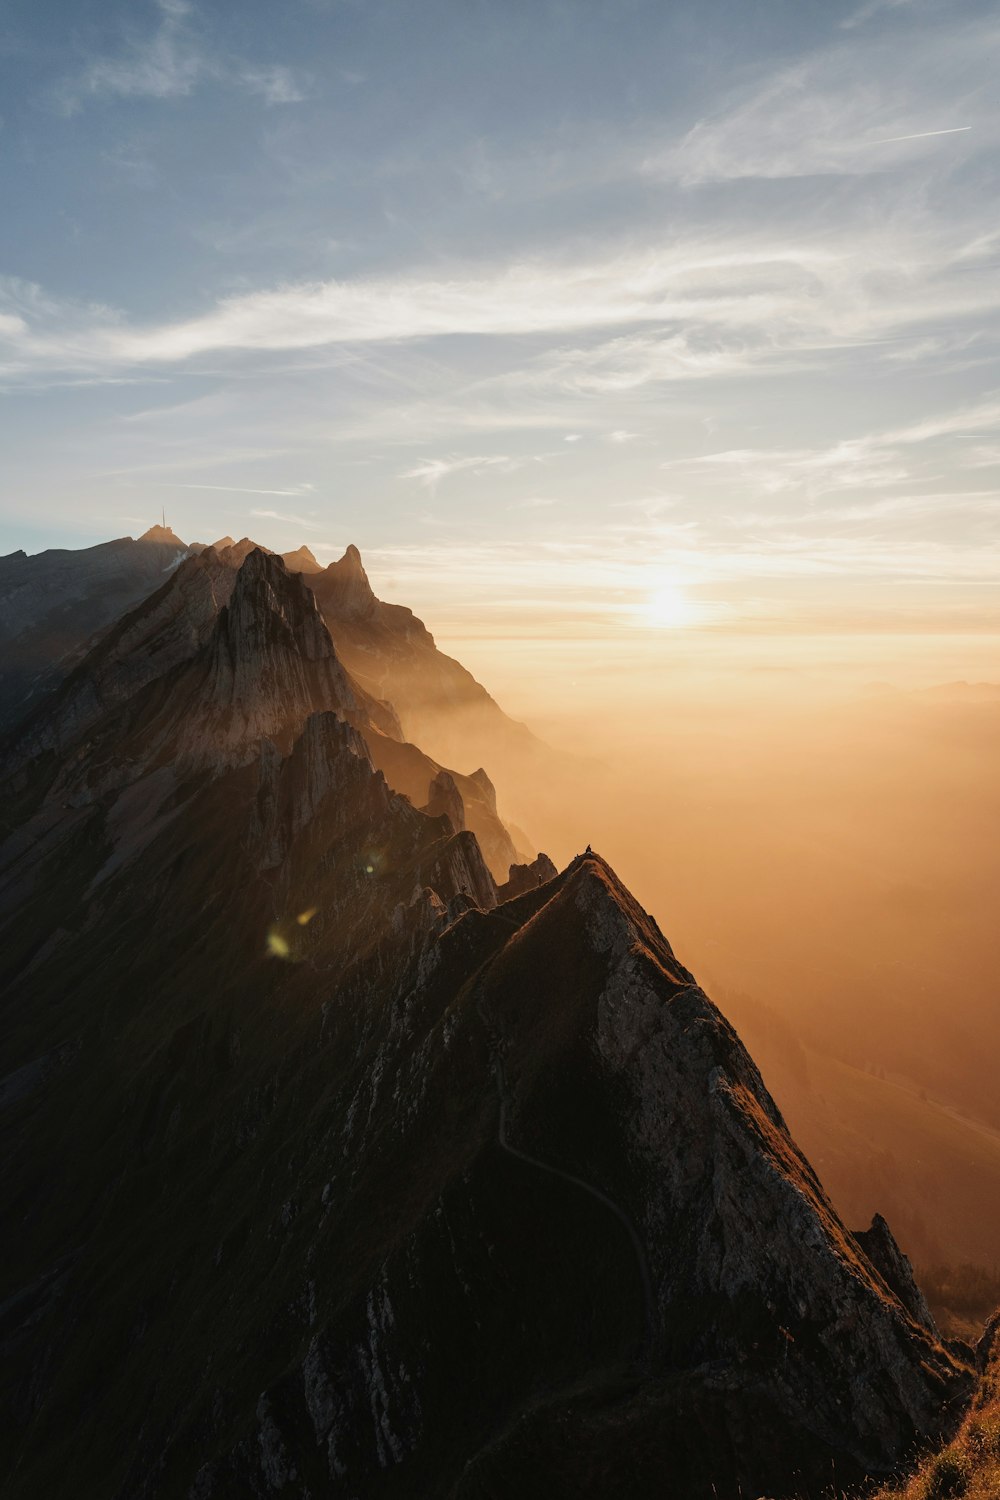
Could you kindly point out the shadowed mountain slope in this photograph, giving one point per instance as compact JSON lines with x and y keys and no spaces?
{"x":333,"y":1176}
{"x":247,"y":650}
{"x":54,"y":603}
{"x":168,"y":625}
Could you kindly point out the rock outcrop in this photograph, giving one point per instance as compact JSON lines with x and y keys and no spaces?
{"x":268,"y":665}
{"x":526,"y":877}
{"x":879,"y":1244}
{"x":444,"y":800}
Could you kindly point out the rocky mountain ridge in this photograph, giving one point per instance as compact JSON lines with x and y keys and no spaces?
{"x":55,"y":606}
{"x":247,"y":647}
{"x":338,"y":1171}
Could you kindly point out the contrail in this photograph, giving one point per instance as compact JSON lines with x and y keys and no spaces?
{"x":240,"y":489}
{"x":919,"y":136}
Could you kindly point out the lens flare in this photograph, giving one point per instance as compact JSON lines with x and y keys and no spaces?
{"x":277,"y":946}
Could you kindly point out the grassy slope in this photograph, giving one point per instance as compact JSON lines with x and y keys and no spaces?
{"x":969,"y":1467}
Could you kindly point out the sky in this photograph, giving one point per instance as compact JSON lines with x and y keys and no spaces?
{"x":576,"y":317}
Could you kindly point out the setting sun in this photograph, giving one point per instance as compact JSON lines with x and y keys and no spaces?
{"x":668,"y":608}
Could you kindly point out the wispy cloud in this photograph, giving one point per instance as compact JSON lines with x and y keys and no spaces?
{"x":277,"y":515}
{"x":432,"y":471}
{"x":849,"y":465}
{"x":873,"y":461}
{"x":719,"y":308}
{"x":275,"y":83}
{"x":616,"y":366}
{"x":823,"y":114}
{"x":170,"y":62}
{"x":242,"y":489}
{"x":165,"y":64}
{"x":866,"y":13}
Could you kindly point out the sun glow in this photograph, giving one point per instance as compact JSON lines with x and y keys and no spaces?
{"x":668,"y":608}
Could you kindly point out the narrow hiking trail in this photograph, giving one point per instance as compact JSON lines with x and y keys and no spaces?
{"x":638,"y":1248}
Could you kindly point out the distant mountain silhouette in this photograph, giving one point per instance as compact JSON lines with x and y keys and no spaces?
{"x":393,"y":654}
{"x":337,"y":1170}
{"x":54,"y":603}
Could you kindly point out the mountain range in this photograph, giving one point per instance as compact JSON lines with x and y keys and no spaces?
{"x":173,"y":624}
{"x":351,"y":1149}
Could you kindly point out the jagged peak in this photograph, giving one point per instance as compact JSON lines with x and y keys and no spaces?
{"x":236,"y":553}
{"x":326,"y":728}
{"x":445,"y":800}
{"x":485,"y":785}
{"x":328,"y":760}
{"x":618,"y":923}
{"x":301,"y":561}
{"x":262,"y":562}
{"x":879,"y":1244}
{"x":265,"y":588}
{"x":344,"y":586}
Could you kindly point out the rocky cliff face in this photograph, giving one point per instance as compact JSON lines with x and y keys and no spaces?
{"x":526,"y":877}
{"x":335,"y":1177}
{"x":445,"y":800}
{"x":269,"y":663}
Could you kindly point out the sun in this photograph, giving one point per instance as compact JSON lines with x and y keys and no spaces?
{"x":668,"y":607}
